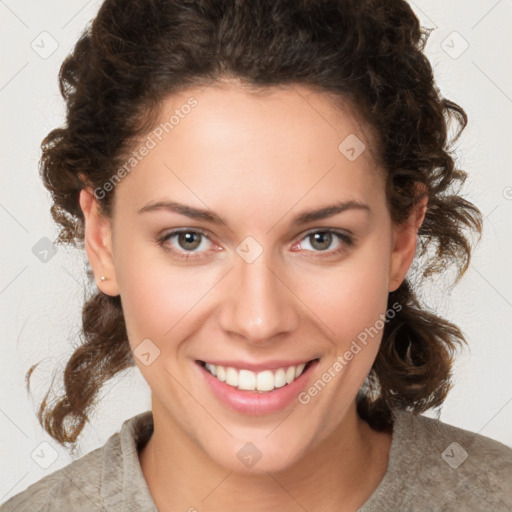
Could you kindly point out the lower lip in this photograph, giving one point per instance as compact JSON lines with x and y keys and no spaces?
{"x":251,"y":402}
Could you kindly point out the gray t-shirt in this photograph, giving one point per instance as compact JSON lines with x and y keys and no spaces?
{"x":432,"y":467}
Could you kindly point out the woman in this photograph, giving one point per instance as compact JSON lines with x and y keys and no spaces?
{"x":251,"y":182}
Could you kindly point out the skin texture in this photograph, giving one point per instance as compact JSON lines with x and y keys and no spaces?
{"x":257,"y":161}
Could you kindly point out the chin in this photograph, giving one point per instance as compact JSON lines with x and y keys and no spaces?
{"x":258,"y":456}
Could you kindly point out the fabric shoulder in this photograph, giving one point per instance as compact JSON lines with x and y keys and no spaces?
{"x":464,"y":468}
{"x":73,"y":487}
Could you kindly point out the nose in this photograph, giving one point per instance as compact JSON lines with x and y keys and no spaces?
{"x":258,"y":304}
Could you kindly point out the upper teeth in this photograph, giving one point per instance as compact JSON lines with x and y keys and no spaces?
{"x":266,"y":380}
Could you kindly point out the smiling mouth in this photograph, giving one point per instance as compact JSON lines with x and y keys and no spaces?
{"x":262,"y":381}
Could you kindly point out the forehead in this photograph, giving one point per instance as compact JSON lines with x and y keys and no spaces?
{"x":290,"y":120}
{"x":226,"y":143}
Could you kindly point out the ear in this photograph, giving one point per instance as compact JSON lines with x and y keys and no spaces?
{"x":98,"y":242}
{"x":404,"y":242}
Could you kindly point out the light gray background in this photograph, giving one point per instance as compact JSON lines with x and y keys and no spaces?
{"x":41,"y":302}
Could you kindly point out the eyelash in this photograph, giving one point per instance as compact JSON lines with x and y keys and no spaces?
{"x":348,"y":242}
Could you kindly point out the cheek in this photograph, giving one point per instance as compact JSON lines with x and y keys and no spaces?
{"x":350,"y":297}
{"x":158,"y":297}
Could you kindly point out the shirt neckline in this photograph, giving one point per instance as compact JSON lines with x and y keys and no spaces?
{"x":131,"y":491}
{"x":391,"y":482}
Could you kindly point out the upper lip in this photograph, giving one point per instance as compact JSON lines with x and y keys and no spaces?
{"x":267,"y":365}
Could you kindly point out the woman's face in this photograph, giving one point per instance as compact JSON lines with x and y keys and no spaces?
{"x":267,"y":287}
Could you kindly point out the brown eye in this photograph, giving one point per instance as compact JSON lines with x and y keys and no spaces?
{"x":321,"y":240}
{"x":326,"y":242}
{"x":186,"y":243}
{"x":189,"y":240}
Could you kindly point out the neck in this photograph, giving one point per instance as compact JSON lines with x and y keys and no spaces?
{"x":338,"y":474}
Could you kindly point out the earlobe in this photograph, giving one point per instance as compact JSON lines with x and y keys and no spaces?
{"x":98,"y":243}
{"x":404,"y":245}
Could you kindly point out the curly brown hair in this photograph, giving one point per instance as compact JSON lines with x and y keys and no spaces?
{"x":367,"y":53}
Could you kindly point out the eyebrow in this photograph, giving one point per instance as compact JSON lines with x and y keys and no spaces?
{"x":209,"y":216}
